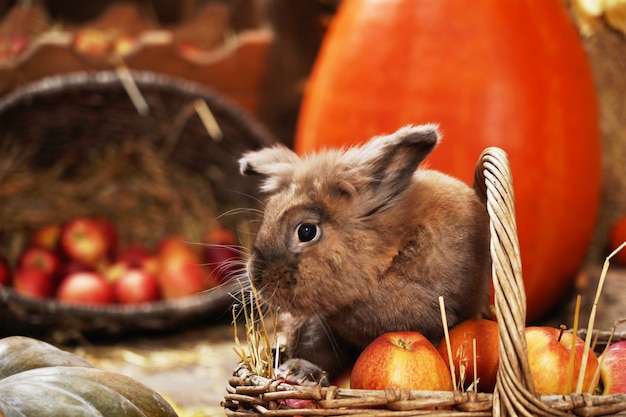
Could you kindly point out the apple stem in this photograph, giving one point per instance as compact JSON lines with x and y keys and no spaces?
{"x":402,"y":343}
{"x":444,"y":320}
{"x":561,"y":330}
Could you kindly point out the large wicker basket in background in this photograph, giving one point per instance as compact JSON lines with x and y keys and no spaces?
{"x":76,"y":144}
{"x":249,"y":394}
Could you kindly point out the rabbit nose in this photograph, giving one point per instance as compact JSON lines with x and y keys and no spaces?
{"x":268,"y":268}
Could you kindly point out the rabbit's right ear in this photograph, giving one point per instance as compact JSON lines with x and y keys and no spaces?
{"x":275,"y":164}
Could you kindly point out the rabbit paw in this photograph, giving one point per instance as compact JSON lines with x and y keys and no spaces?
{"x":302,"y":372}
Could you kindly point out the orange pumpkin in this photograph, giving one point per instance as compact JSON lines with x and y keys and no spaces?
{"x":507,"y":73}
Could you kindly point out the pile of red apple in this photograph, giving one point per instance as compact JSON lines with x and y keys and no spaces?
{"x":409,"y":360}
{"x":81,"y":262}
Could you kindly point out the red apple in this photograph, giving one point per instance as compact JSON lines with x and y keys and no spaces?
{"x":133,"y":255}
{"x":182,"y":279}
{"x":175,"y":249}
{"x":613,"y":369}
{"x":179,"y":269}
{"x":69,"y":266}
{"x":136,"y":286}
{"x":221,"y":255}
{"x":33,"y":282}
{"x":549,"y":352}
{"x":114,"y":271}
{"x":129,"y":258}
{"x":401,"y":360}
{"x":137,"y":256}
{"x":297,"y":403}
{"x":87,"y":240}
{"x":85,"y":288}
{"x":5,"y":272}
{"x":485,"y":332}
{"x":40,"y":258}
{"x":110,"y":233}
{"x":46,"y":237}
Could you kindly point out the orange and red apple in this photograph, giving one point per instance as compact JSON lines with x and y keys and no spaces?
{"x":613,"y":369}
{"x":485,"y":332}
{"x":46,"y":236}
{"x":33,"y":282}
{"x":549,"y":352}
{"x":46,"y":260}
{"x":136,"y":256}
{"x":401,"y":360}
{"x":178,"y":280}
{"x":88,"y":240}
{"x":136,"y":286}
{"x":180,"y":271}
{"x":221,"y":254}
{"x":85,"y":287}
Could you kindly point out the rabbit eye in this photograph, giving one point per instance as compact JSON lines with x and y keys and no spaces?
{"x":307,"y":232}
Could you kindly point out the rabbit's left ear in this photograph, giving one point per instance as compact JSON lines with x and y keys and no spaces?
{"x":391,"y":160}
{"x":275,"y":164}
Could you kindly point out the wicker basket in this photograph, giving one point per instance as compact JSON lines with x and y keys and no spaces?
{"x":249,"y":394}
{"x":54,"y":128}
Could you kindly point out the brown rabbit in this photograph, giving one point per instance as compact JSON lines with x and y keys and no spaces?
{"x":358,"y":242}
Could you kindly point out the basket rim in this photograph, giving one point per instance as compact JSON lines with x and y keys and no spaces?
{"x":94,"y":80}
{"x":195,"y":302}
{"x":269,"y":397}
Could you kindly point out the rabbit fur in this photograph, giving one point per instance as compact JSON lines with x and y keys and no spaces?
{"x":358,"y":242}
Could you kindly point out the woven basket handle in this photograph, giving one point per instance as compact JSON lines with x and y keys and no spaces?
{"x":515,"y":393}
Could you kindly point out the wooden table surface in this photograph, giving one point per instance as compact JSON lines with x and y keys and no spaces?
{"x":190,"y":369}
